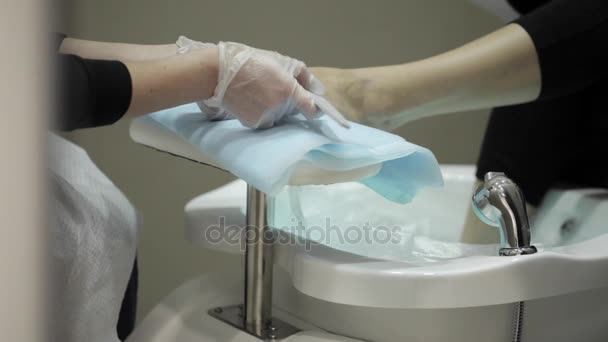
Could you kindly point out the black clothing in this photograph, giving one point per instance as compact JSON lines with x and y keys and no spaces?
{"x":563,"y":136}
{"x":128,"y":308}
{"x":571,"y":39}
{"x":91,"y":92}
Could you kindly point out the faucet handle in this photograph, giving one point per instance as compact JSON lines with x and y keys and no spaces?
{"x":499,"y":202}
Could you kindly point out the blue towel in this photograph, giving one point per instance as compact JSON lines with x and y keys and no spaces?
{"x":265,"y":159}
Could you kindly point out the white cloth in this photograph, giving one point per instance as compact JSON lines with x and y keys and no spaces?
{"x":267,"y":158}
{"x":93,"y":234}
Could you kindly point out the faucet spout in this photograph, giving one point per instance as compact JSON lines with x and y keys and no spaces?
{"x":499,"y":202}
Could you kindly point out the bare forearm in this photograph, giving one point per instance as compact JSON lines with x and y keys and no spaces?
{"x":116,"y":51}
{"x":160,"y":78}
{"x":172,"y":81}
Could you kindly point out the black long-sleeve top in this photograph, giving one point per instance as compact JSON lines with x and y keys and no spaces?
{"x":571,"y":39}
{"x":562,"y":138}
{"x":91,"y":92}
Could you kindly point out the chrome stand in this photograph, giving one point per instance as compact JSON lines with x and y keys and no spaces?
{"x":255,"y":316}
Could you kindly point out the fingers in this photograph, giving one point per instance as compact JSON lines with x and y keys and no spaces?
{"x":214,"y":113}
{"x":309,"y":81}
{"x":316,"y":86}
{"x":221,"y":115}
{"x":305,"y":102}
{"x":331,"y":111}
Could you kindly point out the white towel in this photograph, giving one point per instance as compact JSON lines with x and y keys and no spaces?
{"x":267,"y":158}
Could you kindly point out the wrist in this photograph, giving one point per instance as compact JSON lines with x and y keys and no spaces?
{"x":209,"y":64}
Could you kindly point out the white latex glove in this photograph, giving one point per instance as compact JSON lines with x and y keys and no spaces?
{"x":185,"y":45}
{"x":257,"y":88}
{"x":260,"y":87}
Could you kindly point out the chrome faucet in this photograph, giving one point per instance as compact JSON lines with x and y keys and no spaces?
{"x":500,"y":203}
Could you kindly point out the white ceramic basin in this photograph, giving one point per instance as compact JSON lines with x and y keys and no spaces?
{"x":426,"y":287}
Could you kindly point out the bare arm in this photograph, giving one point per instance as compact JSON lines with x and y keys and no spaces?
{"x":116,"y":51}
{"x":172,"y":81}
{"x":498,"y":69}
{"x":101,"y":82}
{"x":160,"y":78}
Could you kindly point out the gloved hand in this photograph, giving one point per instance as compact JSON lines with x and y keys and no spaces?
{"x":260,"y":87}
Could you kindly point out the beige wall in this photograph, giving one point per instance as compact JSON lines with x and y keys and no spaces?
{"x":342,"y":33}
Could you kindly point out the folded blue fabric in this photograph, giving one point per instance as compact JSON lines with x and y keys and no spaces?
{"x":265,"y":159}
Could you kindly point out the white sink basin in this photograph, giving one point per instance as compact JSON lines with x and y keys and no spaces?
{"x":427,"y":287}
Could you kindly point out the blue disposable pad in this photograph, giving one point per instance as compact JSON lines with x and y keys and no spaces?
{"x":265,"y":159}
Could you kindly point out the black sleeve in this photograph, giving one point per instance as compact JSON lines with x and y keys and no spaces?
{"x":526,"y":6}
{"x":571,"y":39}
{"x":91,"y":92}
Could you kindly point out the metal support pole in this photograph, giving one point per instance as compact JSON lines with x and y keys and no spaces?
{"x":255,"y":315}
{"x":258,"y":264}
